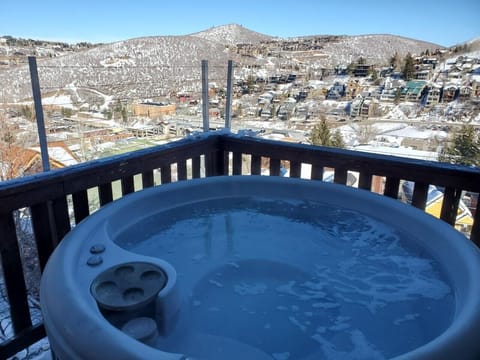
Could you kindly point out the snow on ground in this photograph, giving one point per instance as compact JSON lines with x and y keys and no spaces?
{"x":383,"y":128}
{"x":58,"y":100}
{"x":396,"y":113}
{"x":108,"y":99}
{"x":398,"y":151}
{"x":73,"y":88}
{"x":416,"y":133}
{"x":38,"y":351}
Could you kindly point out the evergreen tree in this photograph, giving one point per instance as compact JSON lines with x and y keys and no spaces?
{"x":321,"y":135}
{"x":394,"y":60}
{"x":398,"y":96}
{"x":408,"y":67}
{"x":124,"y":115}
{"x":66,"y":112}
{"x":464,"y":149}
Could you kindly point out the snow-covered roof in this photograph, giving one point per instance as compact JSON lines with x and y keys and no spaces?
{"x":59,"y":154}
{"x":398,"y":151}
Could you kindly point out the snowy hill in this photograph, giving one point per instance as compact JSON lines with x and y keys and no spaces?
{"x":153,"y":67}
{"x":140,"y":68}
{"x":232,"y":34}
{"x":374,"y":48}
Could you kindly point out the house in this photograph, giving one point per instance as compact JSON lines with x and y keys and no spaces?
{"x":368,"y":107}
{"x":450,"y":92}
{"x":302,"y":111}
{"x":422,"y":74}
{"x":365,"y":108}
{"x":434,"y":93}
{"x":353,"y":88}
{"x":355,"y":108}
{"x":362,"y":70}
{"x":476,"y":87}
{"x":465,"y":92}
{"x":267,"y":112}
{"x":413,"y":90}
{"x":16,"y":161}
{"x":336,"y":92}
{"x":266,"y":98}
{"x":454,"y":70}
{"x":389,"y":94}
{"x":341,"y":70}
{"x":284,"y":112}
{"x":301,"y":95}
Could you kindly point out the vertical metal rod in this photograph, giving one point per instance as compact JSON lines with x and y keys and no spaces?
{"x":228,"y":105}
{"x":37,"y":100}
{"x":42,"y":137}
{"x":205,"y":95}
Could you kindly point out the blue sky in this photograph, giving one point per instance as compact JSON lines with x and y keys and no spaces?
{"x":444,"y":22}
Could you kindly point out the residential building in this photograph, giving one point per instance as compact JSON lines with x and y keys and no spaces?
{"x":434,"y":93}
{"x":450,"y":92}
{"x":153,"y":110}
{"x":413,"y":90}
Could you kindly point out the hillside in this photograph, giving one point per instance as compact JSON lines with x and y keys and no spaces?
{"x":140,"y":68}
{"x":156,"y":66}
{"x":376,"y":49}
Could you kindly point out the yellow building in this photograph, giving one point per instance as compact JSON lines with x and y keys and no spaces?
{"x":154,"y":110}
{"x":464,"y":219}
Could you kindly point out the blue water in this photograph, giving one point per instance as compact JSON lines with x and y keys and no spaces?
{"x":294,"y":280}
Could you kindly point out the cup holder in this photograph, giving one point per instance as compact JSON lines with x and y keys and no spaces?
{"x":128,"y":286}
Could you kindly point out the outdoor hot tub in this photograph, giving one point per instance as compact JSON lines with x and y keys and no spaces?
{"x":255,"y":267}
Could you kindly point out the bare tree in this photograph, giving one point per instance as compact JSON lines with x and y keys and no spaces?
{"x":366,"y":133}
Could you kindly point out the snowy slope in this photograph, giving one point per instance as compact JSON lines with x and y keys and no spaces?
{"x":155,"y":66}
{"x":232,"y":34}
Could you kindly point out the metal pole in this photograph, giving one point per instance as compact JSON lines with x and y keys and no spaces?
{"x":37,"y":100}
{"x":228,"y":105}
{"x":205,"y":95}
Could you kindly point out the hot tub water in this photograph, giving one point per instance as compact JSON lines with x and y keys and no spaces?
{"x":295,"y":279}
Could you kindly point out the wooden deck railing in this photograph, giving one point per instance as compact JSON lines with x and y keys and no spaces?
{"x":59,"y":199}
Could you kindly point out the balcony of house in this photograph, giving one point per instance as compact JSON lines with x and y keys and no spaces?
{"x":48,"y":205}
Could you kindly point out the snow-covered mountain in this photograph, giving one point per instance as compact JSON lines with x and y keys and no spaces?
{"x":136,"y":68}
{"x":156,"y":66}
{"x":232,"y":34}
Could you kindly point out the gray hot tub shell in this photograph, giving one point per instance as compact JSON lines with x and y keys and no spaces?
{"x":76,"y":324}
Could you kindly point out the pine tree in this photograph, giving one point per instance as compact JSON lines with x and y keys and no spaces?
{"x":394,"y":60}
{"x":408,"y":67}
{"x":464,"y":149}
{"x":321,"y":135}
